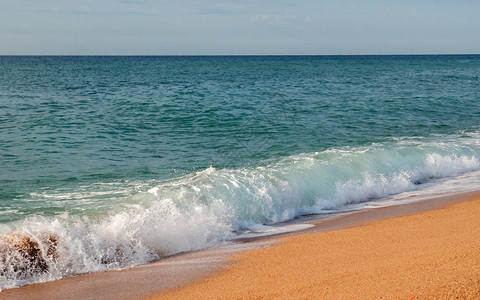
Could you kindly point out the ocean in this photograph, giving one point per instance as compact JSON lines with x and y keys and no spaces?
{"x":119,"y":161}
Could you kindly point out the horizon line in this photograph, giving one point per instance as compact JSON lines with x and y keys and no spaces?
{"x":231,"y":55}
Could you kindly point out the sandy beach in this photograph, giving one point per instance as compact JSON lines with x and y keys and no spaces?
{"x":427,"y":249}
{"x":427,"y":255}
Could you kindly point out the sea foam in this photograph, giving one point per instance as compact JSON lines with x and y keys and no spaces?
{"x":212,"y":206}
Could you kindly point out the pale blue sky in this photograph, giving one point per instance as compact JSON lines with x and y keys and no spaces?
{"x":182,"y":27}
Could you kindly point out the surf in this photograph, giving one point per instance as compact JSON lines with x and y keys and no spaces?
{"x":210,"y":207}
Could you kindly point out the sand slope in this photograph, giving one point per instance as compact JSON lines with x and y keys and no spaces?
{"x":433,"y":254}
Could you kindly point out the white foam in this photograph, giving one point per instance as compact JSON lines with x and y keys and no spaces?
{"x":259,"y":230}
{"x":147,"y":220}
{"x":464,"y":183}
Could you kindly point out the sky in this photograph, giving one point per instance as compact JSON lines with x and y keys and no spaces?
{"x":235,"y":27}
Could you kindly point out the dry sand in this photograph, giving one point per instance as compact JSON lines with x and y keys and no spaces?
{"x":428,"y":255}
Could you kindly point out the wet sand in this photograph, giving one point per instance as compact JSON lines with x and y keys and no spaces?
{"x":402,"y":257}
{"x":427,"y":255}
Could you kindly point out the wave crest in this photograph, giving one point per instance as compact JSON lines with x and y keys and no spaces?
{"x":208,"y":207}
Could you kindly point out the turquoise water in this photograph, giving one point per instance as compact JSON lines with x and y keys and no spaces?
{"x":157,"y":155}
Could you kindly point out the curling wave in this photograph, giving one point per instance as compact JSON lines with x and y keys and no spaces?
{"x":211,"y":206}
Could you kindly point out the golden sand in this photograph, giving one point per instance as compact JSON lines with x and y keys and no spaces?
{"x":428,"y":255}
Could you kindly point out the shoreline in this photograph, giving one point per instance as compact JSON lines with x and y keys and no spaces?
{"x":430,"y":254}
{"x":183,"y":270}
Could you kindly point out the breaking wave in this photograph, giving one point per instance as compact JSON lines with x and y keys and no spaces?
{"x":211,"y":206}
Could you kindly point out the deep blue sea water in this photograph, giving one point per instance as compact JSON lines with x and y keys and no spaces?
{"x":126,"y":159}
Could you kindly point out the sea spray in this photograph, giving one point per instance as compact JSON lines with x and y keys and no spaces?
{"x":211,"y":206}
